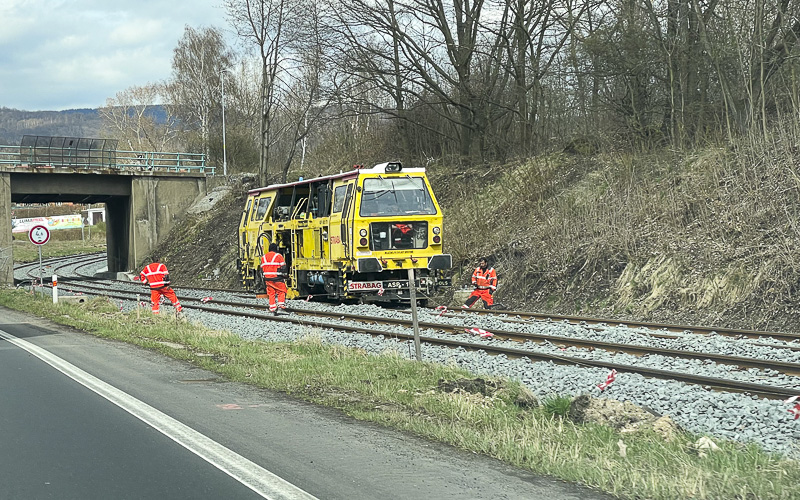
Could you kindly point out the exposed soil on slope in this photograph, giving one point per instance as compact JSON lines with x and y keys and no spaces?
{"x":201,"y":251}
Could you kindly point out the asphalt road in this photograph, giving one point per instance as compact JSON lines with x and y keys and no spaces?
{"x":85,"y":418}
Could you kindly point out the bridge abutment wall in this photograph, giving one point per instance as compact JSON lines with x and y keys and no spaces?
{"x":6,"y":252}
{"x":156,"y":205}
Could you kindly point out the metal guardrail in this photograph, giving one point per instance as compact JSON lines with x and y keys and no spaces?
{"x":95,"y":159}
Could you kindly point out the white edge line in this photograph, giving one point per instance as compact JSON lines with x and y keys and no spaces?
{"x":250,"y":474}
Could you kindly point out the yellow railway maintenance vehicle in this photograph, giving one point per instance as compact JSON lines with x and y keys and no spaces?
{"x":349,"y":236}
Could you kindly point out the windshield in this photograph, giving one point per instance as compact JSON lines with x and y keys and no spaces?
{"x":396,"y":196}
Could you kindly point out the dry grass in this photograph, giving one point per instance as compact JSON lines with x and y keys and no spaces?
{"x":709,"y":235}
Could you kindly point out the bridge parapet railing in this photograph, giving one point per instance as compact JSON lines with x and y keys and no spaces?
{"x":163,"y":161}
{"x":96,"y":159}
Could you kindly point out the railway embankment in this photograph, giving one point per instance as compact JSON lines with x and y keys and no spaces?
{"x":707,"y":237}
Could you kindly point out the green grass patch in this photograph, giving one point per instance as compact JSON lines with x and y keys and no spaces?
{"x":555,"y":405}
{"x":414,"y":397}
{"x":25,"y":251}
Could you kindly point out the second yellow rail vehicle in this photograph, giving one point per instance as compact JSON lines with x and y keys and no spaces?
{"x":349,"y":236}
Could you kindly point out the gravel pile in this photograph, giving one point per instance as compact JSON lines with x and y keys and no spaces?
{"x":737,"y":417}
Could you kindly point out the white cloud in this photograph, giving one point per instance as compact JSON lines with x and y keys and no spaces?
{"x":140,"y":31}
{"x":57,"y":54}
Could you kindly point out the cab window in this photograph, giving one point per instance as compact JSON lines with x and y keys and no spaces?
{"x":261,"y":209}
{"x":246,"y":211}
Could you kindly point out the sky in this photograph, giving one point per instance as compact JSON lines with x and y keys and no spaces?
{"x":67,"y":54}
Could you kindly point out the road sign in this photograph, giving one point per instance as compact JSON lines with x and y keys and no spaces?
{"x":39,"y":235}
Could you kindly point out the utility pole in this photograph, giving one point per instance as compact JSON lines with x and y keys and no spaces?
{"x":224,"y":152}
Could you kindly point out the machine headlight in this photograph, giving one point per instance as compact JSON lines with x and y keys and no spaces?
{"x":363,"y":233}
{"x":436,"y":230}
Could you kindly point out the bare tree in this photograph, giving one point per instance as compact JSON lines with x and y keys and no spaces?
{"x":261,"y":23}
{"x":130,"y":117}
{"x":766,"y":33}
{"x":197,"y":63}
{"x":306,"y":100}
{"x":242,"y":110}
{"x":536,"y":33}
{"x":372,"y":70}
{"x":450,"y":31}
{"x":424,"y":52}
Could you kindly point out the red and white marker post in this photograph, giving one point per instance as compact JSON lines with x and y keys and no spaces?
{"x":39,"y":235}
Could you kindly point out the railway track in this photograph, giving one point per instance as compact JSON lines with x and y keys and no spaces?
{"x":454,"y":336}
{"x":656,"y":328}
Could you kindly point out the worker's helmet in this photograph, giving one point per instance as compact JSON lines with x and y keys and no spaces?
{"x":273,"y":247}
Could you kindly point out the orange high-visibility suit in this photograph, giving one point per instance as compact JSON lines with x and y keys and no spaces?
{"x":484,"y":279}
{"x":157,"y":276}
{"x":274,"y":268}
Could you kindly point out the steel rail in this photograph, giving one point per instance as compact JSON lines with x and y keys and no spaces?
{"x":657,"y":328}
{"x":772,"y":392}
{"x":788,"y":368}
{"x":55,"y":264}
{"x":580,"y":320}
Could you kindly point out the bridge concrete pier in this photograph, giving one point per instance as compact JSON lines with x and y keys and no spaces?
{"x":6,"y":251}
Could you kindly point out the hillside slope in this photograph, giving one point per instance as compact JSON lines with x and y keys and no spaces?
{"x":201,"y":251}
{"x":15,"y":123}
{"x":708,"y":238}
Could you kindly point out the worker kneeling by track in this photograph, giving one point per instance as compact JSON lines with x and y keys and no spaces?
{"x":484,"y":279}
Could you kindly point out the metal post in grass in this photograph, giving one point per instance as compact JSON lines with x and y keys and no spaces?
{"x":412,"y":292}
{"x":41,"y":282}
{"x":39,"y":235}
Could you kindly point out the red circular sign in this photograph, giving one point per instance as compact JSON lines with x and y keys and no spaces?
{"x":39,"y":235}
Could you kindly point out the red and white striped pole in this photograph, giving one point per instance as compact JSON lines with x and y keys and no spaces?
{"x":55,"y":289}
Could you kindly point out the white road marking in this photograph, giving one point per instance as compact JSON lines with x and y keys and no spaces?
{"x":250,"y":474}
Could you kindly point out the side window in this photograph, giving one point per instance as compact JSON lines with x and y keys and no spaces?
{"x":246,"y":210}
{"x":261,"y":211}
{"x":347,"y":200}
{"x":324,"y":201}
{"x":338,"y":198}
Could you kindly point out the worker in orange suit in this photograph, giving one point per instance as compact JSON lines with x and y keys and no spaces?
{"x":484,"y":279}
{"x":156,"y":275}
{"x":274,"y":269}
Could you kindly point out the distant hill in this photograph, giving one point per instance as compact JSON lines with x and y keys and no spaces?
{"x":15,"y":123}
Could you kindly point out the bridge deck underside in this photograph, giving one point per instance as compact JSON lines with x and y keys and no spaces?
{"x":32,"y":188}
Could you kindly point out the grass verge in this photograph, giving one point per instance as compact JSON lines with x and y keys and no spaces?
{"x":407,"y":395}
{"x":25,"y":251}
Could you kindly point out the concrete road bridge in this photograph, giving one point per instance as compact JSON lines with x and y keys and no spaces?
{"x":144,"y":192}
